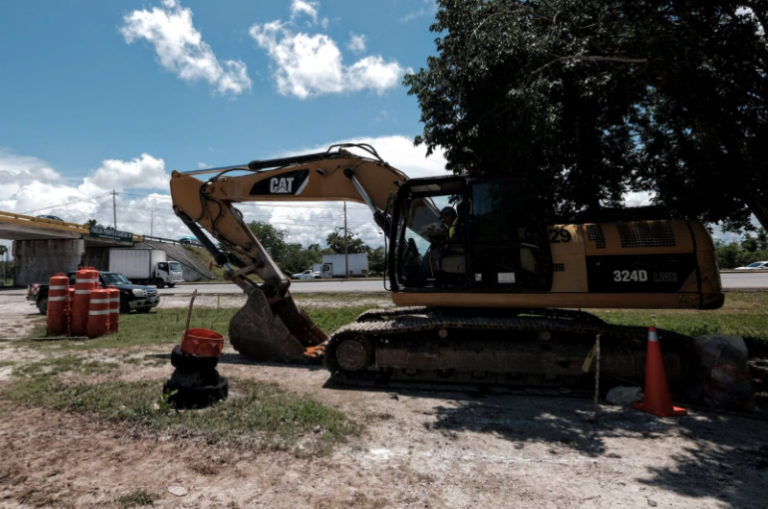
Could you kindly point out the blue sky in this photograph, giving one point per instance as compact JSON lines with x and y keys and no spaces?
{"x":97,"y":96}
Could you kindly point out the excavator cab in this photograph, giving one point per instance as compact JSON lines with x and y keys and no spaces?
{"x":463,"y":234}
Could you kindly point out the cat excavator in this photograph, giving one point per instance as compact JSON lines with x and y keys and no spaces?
{"x":484,"y":291}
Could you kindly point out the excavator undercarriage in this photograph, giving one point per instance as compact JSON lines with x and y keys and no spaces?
{"x":526,"y":348}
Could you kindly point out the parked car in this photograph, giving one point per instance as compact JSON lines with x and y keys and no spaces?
{"x":133,"y":297}
{"x":754,"y":265}
{"x":189,"y":241}
{"x":307,"y":274}
{"x":52,"y":218}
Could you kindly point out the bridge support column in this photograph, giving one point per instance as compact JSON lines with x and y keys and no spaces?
{"x":38,"y":260}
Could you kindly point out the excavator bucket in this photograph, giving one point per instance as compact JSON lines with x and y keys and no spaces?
{"x":276,"y":331}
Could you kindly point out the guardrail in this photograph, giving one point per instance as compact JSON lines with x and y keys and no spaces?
{"x":172,"y":241}
{"x":52,"y":224}
{"x":12,"y":217}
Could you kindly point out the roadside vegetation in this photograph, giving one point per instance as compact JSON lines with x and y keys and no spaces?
{"x":749,"y":249}
{"x":85,"y":375}
{"x":743,"y":314}
{"x":256,"y":414}
{"x":292,"y":257}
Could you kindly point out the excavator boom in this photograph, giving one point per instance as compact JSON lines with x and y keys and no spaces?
{"x":270,"y":327}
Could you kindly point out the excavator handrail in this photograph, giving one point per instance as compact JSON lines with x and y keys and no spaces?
{"x":259,"y":165}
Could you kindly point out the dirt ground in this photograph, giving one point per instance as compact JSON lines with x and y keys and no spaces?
{"x":425,"y":449}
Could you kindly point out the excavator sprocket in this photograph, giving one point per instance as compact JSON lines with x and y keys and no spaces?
{"x":275,"y":333}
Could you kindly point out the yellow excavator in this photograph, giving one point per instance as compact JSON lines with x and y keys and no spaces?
{"x":484,"y":291}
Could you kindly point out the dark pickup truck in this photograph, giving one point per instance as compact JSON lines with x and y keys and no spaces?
{"x":133,"y":297}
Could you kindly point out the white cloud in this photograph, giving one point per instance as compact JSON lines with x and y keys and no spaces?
{"x":180,"y":48}
{"x":32,"y":187}
{"x":356,"y":43}
{"x":429,"y":9}
{"x":308,"y":65}
{"x":747,"y":12}
{"x":145,"y":172}
{"x":638,"y":198}
{"x":299,"y":7}
{"x":143,"y":203}
{"x":17,"y":171}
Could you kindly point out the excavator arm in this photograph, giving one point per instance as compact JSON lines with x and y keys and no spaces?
{"x":270,"y":327}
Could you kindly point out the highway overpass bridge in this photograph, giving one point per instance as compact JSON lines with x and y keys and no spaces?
{"x":43,"y":246}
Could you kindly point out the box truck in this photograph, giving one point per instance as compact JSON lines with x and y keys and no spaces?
{"x":335,"y":265}
{"x":145,"y":266}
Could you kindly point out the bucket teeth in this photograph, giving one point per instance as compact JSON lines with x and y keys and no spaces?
{"x":277,"y":333}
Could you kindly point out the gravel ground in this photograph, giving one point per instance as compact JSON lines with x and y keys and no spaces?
{"x":422,"y":449}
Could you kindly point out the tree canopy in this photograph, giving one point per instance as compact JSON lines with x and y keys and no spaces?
{"x":290,"y":257}
{"x":588,"y":99}
{"x":354,"y":244}
{"x":738,"y":254}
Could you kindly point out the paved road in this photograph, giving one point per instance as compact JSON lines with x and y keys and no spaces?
{"x":731,"y":281}
{"x":337,"y":286}
{"x":740,"y":280}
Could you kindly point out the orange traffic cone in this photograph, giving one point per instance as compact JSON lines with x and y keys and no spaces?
{"x":656,"y":400}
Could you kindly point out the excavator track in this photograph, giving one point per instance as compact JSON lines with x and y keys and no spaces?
{"x":542,"y":348}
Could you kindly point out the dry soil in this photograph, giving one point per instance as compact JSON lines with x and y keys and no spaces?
{"x":426,"y":449}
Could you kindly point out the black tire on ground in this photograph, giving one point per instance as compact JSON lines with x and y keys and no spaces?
{"x":188,"y":362}
{"x":124,"y":307}
{"x":197,"y":397}
{"x":159,"y":283}
{"x":143,"y":310}
{"x":171,"y":285}
{"x":42,"y":305}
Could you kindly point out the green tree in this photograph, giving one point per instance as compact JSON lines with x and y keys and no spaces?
{"x":290,"y":257}
{"x":270,"y":237}
{"x":336,"y":241}
{"x":296,"y":259}
{"x":587,"y":99}
{"x":748,"y":250}
{"x":377,"y":260}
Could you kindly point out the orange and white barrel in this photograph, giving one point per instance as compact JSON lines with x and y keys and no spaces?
{"x":86,"y":280}
{"x":98,"y":313}
{"x":114,"y":309}
{"x":58,"y":290}
{"x":68,"y":309}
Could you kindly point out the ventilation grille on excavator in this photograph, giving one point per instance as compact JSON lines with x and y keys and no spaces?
{"x":595,"y":233}
{"x":646,"y":234}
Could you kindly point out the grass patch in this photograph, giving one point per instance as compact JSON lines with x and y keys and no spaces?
{"x":330,"y":319}
{"x":42,"y":370}
{"x":137,"y":498}
{"x":256,"y":413}
{"x":165,"y":326}
{"x":743,"y":314}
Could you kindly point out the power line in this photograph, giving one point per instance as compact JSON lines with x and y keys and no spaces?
{"x":71,"y":202}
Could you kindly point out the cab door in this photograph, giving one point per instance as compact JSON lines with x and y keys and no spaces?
{"x":508,"y":244}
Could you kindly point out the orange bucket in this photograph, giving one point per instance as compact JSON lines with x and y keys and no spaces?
{"x":202,"y":342}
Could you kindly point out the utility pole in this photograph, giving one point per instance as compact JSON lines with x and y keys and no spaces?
{"x":114,"y":210}
{"x":152,"y":223}
{"x":346,"y":244}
